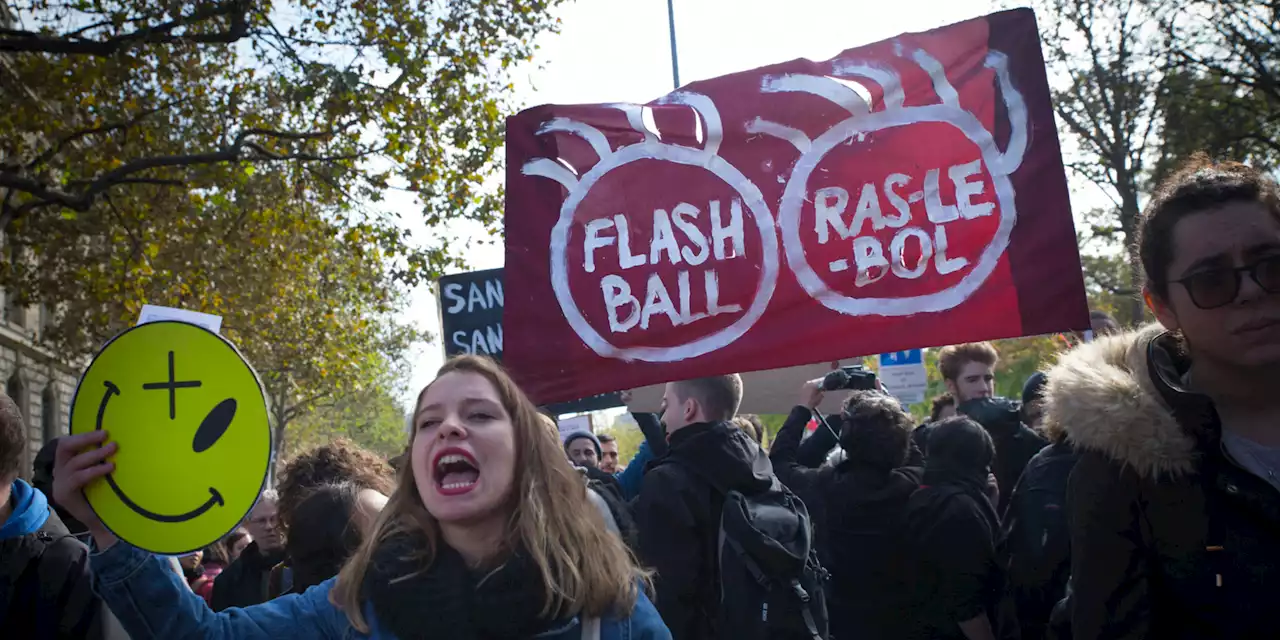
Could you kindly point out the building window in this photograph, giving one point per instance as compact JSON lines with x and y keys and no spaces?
{"x":17,"y":391}
{"x":13,"y":312}
{"x":49,"y":410}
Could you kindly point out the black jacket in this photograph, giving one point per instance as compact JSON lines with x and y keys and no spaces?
{"x":955,"y":571}
{"x":245,"y":582}
{"x":1036,"y":537}
{"x":46,"y":586}
{"x":678,"y":515}
{"x":859,"y":516}
{"x":1170,"y":538}
{"x":1015,"y":443}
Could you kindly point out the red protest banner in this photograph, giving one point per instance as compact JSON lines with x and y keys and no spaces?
{"x":905,"y":194}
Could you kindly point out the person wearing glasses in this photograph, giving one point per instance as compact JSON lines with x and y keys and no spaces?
{"x":1174,"y":505}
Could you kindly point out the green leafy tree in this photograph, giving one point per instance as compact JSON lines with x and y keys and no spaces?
{"x":1205,"y":110}
{"x":1112,"y":77}
{"x":223,"y":156}
{"x":104,"y":96}
{"x":629,"y":436}
{"x":310,"y":302}
{"x":1224,"y":94}
{"x":373,"y":419}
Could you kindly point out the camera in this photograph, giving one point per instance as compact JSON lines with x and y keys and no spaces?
{"x":992,"y":412}
{"x":854,"y":378}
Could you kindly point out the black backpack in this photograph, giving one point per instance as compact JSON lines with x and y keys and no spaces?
{"x":771,"y":583}
{"x":44,"y":586}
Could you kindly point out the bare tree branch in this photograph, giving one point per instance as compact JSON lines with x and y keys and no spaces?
{"x":44,"y":195}
{"x":236,"y":11}
{"x":57,"y":148}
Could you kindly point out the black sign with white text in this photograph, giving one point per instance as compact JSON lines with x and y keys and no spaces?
{"x":471,"y":322}
{"x":471,"y":313}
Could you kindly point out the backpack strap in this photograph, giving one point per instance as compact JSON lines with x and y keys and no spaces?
{"x":63,"y":576}
{"x":53,"y":579}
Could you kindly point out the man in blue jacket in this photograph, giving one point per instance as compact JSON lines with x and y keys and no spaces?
{"x":654,"y":446}
{"x":45,"y":583}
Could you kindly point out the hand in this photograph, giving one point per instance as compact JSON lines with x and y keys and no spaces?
{"x":626,"y":397}
{"x":78,"y":461}
{"x":811,"y":394}
{"x":993,"y":488}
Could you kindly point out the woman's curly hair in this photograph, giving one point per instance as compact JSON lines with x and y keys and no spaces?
{"x":334,"y":462}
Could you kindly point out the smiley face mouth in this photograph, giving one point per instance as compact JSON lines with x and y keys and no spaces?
{"x":215,"y":498}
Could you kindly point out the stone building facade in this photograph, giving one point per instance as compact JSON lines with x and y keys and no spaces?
{"x":38,"y":381}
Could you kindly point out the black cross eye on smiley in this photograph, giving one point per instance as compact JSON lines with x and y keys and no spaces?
{"x":211,"y":429}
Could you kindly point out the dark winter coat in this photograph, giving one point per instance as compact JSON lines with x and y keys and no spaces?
{"x":955,"y":571}
{"x":1015,"y":443}
{"x":678,"y":516}
{"x":1169,"y":537}
{"x":46,"y":586}
{"x":859,"y":516}
{"x":1036,"y":537}
{"x":246,"y":581}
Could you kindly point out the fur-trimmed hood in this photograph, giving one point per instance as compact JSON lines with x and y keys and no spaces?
{"x":1110,"y":397}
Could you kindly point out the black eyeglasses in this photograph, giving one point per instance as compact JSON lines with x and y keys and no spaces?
{"x":1219,"y":287}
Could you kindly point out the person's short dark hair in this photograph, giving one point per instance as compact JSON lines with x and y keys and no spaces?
{"x":875,"y":431}
{"x":1034,"y":387}
{"x":951,"y":360}
{"x":719,"y":396}
{"x":13,"y":439}
{"x":605,"y":438}
{"x":941,"y":402}
{"x":231,"y":539}
{"x":340,"y":460}
{"x":1199,"y":185}
{"x":42,"y":467}
{"x":217,"y":553}
{"x":1102,"y":317}
{"x":324,"y":533}
{"x":960,"y":443}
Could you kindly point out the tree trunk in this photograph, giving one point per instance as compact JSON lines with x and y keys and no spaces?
{"x":1129,"y":216}
{"x":278,"y":424}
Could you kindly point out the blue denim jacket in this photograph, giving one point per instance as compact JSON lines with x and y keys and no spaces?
{"x":629,"y":479}
{"x":152,"y":602}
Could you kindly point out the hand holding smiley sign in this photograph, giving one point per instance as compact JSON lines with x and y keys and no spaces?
{"x":190,"y":419}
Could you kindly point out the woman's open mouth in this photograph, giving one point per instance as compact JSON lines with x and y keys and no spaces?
{"x":456,"y":472}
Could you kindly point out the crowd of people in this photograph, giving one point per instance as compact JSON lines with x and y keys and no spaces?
{"x":1131,"y":492}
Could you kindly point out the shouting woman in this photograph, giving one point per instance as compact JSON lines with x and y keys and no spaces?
{"x":489,"y":534}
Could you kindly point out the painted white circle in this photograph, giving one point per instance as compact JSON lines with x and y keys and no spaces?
{"x":751,"y":197}
{"x":795,"y":195}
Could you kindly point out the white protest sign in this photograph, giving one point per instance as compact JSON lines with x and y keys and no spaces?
{"x":154,"y":313}
{"x":773,"y":391}
{"x":576,"y":423}
{"x":904,"y":375}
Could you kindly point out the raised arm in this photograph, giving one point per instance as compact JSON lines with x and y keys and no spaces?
{"x":654,"y":434}
{"x":786,"y":445}
{"x":148,"y":598}
{"x":151,"y":602}
{"x":629,"y":479}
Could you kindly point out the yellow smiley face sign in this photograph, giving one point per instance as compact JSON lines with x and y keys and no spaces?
{"x":190,"y":419}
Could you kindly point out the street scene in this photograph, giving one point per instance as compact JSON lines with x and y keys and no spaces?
{"x":682,"y":319}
